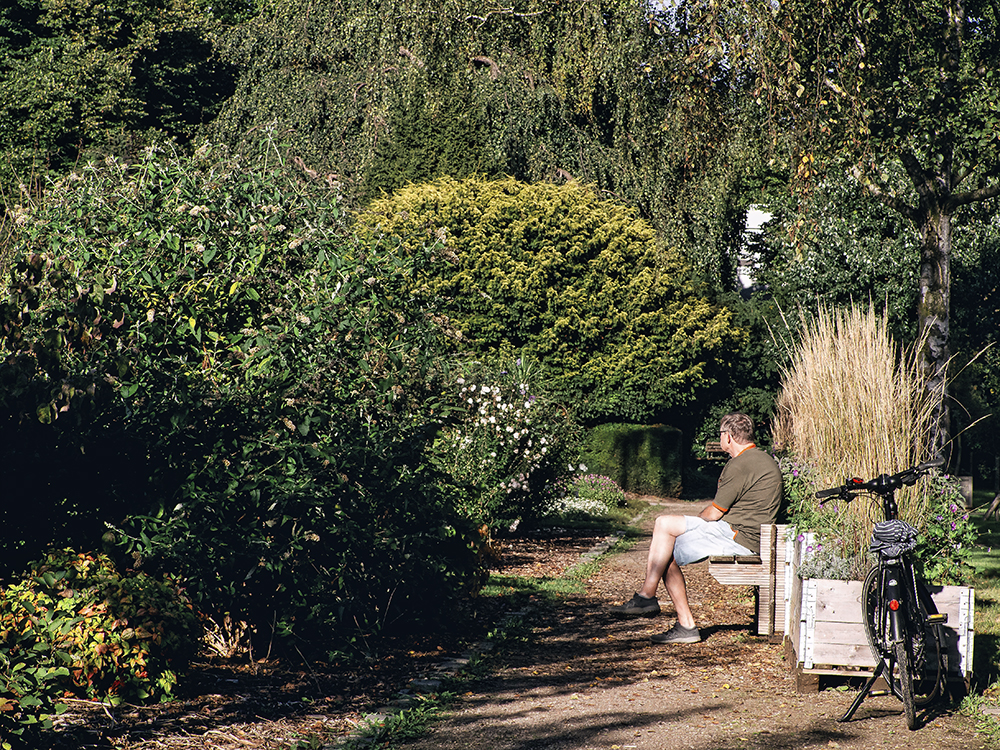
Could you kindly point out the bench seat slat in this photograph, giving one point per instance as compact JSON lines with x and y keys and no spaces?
{"x":735,"y":560}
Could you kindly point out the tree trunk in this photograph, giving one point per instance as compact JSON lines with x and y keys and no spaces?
{"x":933,"y":316}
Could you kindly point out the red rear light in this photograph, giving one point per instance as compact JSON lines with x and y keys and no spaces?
{"x":894,"y":604}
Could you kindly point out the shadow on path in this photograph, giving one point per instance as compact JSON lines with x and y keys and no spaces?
{"x":591,"y":680}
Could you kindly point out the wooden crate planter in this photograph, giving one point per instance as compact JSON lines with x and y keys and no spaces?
{"x":828,"y":636}
{"x":821,"y":619}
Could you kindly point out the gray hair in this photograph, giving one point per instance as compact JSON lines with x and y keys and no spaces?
{"x":738,"y":425}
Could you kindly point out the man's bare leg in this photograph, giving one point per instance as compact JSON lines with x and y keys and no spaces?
{"x":661,"y":566}
{"x":661,"y":555}
{"x":673,"y":579}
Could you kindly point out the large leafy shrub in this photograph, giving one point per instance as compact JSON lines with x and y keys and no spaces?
{"x":211,"y":364}
{"x":506,"y":440}
{"x":74,"y":626}
{"x":572,"y":281}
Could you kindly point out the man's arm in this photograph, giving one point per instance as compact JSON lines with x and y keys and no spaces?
{"x":712,"y":512}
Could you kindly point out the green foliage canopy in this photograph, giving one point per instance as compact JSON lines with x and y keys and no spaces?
{"x":836,"y":246}
{"x":572,"y":281}
{"x":195,"y":351}
{"x":854,"y":85}
{"x":79,"y":74}
{"x":381,"y":95}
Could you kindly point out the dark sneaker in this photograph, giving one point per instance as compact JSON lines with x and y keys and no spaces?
{"x":638,"y":606}
{"x":677,"y":634}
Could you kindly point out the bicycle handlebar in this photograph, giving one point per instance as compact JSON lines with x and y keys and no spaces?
{"x":880,"y":485}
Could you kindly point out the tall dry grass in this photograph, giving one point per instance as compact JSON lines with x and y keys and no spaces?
{"x":854,"y":404}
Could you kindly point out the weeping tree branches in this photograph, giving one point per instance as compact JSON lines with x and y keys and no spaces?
{"x":605,"y":91}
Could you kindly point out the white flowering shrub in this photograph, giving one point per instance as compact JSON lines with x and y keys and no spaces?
{"x":583,"y":493}
{"x":508,"y":443}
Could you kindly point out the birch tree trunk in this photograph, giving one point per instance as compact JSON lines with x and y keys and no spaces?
{"x":933,"y":317}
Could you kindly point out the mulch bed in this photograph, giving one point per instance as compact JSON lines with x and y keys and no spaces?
{"x":271,"y":704}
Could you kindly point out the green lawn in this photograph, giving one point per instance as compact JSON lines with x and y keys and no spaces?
{"x":985,"y":558}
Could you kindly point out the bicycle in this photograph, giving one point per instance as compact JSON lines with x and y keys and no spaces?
{"x":905,"y":633}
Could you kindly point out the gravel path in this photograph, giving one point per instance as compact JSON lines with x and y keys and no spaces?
{"x":589,"y":680}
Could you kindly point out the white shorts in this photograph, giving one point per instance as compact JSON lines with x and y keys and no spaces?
{"x":704,"y":538}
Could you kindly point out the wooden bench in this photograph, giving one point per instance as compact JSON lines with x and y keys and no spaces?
{"x":738,"y":570}
{"x":714,"y":450}
{"x":767,"y":572}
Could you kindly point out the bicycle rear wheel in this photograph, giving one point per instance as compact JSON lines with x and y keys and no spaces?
{"x":924,"y":644}
{"x":874,"y":616}
{"x":904,"y":670}
{"x":928,"y":656}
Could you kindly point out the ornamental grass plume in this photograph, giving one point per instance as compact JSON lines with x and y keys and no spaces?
{"x":853,"y":403}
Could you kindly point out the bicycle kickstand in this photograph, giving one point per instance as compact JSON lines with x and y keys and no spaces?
{"x":865,"y":692}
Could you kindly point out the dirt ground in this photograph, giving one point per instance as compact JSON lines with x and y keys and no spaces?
{"x":594,"y":681}
{"x":586,"y":680}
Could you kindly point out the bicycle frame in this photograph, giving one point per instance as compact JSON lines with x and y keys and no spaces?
{"x":894,"y":599}
{"x":893,"y":594}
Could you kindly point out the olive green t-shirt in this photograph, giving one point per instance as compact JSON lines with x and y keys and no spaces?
{"x":749,"y":494}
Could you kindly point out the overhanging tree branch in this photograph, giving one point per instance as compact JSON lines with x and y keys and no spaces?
{"x":500,"y":12}
{"x":974,"y":196}
{"x":923,"y":179}
{"x":884,"y":197}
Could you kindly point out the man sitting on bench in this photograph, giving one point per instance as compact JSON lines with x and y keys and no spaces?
{"x":749,"y":494}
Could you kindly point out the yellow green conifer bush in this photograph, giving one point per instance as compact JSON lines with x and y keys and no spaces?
{"x":561,"y":276}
